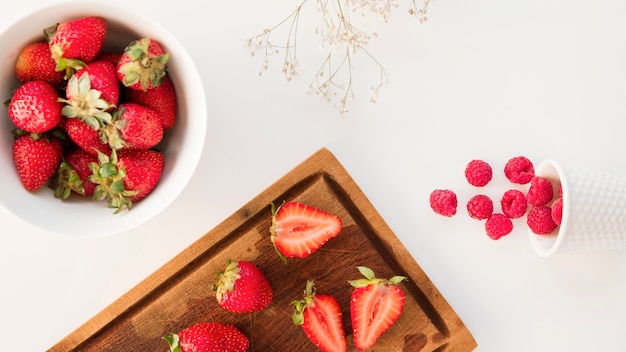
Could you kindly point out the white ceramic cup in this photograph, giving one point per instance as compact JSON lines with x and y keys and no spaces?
{"x":594,"y":211}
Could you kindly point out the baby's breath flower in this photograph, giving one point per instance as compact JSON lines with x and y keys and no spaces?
{"x":339,"y":38}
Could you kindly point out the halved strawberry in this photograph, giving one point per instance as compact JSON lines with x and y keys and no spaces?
{"x":321,"y":319}
{"x":375,"y":306}
{"x":143,"y":64}
{"x":242,"y":288}
{"x":208,"y":337}
{"x":126,"y":176}
{"x":298,"y":230}
{"x":76,"y":42}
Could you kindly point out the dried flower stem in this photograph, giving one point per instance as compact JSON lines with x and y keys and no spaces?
{"x":339,"y":36}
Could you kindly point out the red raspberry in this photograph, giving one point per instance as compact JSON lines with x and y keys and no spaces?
{"x":498,"y":225}
{"x":557,"y":210}
{"x":514,"y":203}
{"x":540,"y":191}
{"x":480,"y":207}
{"x":443,"y":202}
{"x":539,"y":220}
{"x":478,"y":173}
{"x":519,"y":170}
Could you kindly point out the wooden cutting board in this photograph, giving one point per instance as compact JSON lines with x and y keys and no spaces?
{"x":179,"y":293}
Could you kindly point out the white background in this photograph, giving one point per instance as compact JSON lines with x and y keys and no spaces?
{"x":480,"y":79}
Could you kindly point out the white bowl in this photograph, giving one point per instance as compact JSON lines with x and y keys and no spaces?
{"x":182,"y":145}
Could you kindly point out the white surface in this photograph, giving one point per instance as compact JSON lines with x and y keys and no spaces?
{"x":481,"y":79}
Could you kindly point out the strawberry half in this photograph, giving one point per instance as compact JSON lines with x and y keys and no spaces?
{"x":375,"y":306}
{"x":208,"y":337}
{"x":321,"y":319}
{"x":298,"y":230}
{"x":242,"y":288}
{"x":76,"y":42}
{"x":36,"y":158}
{"x":34,"y":107}
{"x":126,"y":176}
{"x":143,"y":64}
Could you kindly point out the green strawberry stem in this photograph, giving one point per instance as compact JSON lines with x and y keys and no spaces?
{"x":274,"y":209}
{"x":86,"y":103}
{"x":300,"y":305}
{"x":174,"y":342}
{"x":370,"y":278}
{"x":109,"y":180}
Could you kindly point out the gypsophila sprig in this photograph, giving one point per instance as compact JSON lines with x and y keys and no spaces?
{"x":340,"y":39}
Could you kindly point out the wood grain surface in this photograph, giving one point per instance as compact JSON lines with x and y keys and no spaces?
{"x":179,"y":293}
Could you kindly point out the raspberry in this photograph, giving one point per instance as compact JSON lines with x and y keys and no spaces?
{"x":498,"y":225}
{"x":539,"y":220}
{"x":519,"y":170}
{"x":443,"y":202}
{"x":540,"y":191}
{"x":513,"y":203}
{"x":478,"y":173}
{"x":480,"y":207}
{"x":557,"y":210}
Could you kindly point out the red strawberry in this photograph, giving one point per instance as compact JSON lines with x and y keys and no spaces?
{"x":110,"y":56}
{"x":143,"y":64}
{"x":76,"y":42}
{"x":85,"y":136}
{"x":34,"y":107}
{"x":126,"y":176}
{"x":134,"y":126}
{"x":321,"y":320}
{"x":242,"y":288}
{"x":35,"y":63}
{"x":161,"y":99}
{"x":298,"y":230}
{"x":208,"y":337}
{"x":36,"y":159}
{"x":73,"y":174}
{"x":375,"y":306}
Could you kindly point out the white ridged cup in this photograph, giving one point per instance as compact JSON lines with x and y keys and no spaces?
{"x":594,"y":211}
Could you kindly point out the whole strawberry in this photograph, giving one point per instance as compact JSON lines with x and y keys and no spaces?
{"x":85,"y":136}
{"x":92,"y":92}
{"x":143,"y":64}
{"x":321,"y":319}
{"x":76,"y":42}
{"x":73,"y":174}
{"x":161,"y":99}
{"x":34,"y":107}
{"x":133,"y":126}
{"x":126,"y":176}
{"x":375,"y":306}
{"x":208,"y":337}
{"x":36,"y":159}
{"x":242,"y":288}
{"x":35,"y":63}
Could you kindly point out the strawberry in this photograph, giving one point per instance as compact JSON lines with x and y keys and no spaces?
{"x":110,"y":56}
{"x":298,"y":230}
{"x":73,"y":173}
{"x":143,"y":64}
{"x":35,"y":63}
{"x":76,"y":42}
{"x":34,"y":107}
{"x":36,"y":158}
{"x":133,"y":126}
{"x":375,"y":306}
{"x":161,"y":99}
{"x":242,"y":288}
{"x":208,"y":337}
{"x":91,"y":93}
{"x":321,"y":319}
{"x":85,"y":136}
{"x":126,"y":176}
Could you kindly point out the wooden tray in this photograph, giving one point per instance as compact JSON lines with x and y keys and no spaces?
{"x":179,"y":293}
